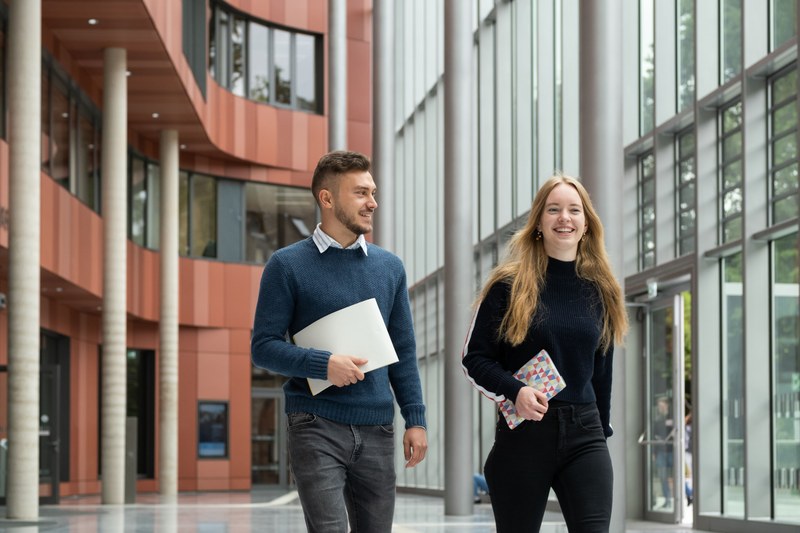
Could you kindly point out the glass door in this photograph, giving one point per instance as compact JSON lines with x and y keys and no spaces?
{"x":269,"y":458}
{"x":665,"y":401}
{"x":48,"y":434}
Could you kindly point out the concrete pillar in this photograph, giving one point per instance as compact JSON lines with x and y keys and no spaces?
{"x":383,"y":119}
{"x":601,"y":169}
{"x":24,"y":120}
{"x":168,"y":326}
{"x":115,"y":241}
{"x":337,"y":74}
{"x":458,"y":254}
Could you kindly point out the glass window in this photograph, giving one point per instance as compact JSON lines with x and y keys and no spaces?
{"x":275,"y":217}
{"x":685,"y":22}
{"x":646,"y":66}
{"x":59,"y":137}
{"x":306,"y":62}
{"x":730,"y":140}
{"x":87,"y":161}
{"x":786,"y":377}
{"x":732,"y":319}
{"x":223,"y":48}
{"x":783,"y":21}
{"x":212,"y":43}
{"x":783,"y":147}
{"x":266,"y":64}
{"x":183,"y":217}
{"x":238,"y":54}
{"x":46,"y":116}
{"x":3,"y":79}
{"x":153,"y":205}
{"x":258,"y":63}
{"x":138,"y":200}
{"x":731,"y":39}
{"x":212,"y":426}
{"x":685,"y":187}
{"x":647,"y":211}
{"x":203,"y":216}
{"x":70,"y":128}
{"x":282,"y":65}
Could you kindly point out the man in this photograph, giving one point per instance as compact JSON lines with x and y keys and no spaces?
{"x":341,"y":441}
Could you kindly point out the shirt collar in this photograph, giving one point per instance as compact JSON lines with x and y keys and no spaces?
{"x":325,"y":241}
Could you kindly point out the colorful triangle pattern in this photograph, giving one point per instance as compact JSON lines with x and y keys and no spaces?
{"x":540,"y":373}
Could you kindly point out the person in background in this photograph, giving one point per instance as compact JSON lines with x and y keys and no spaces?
{"x":688,"y":485}
{"x":479,"y":487}
{"x":554,"y":291}
{"x":341,"y":441}
{"x":664,"y":431}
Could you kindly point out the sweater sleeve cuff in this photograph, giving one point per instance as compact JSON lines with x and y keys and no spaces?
{"x":414,"y":415}
{"x":514,"y":392}
{"x":318,"y":364}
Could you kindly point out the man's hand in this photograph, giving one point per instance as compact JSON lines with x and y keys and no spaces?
{"x":343,"y":369}
{"x":415,"y":445}
{"x":531,"y":404}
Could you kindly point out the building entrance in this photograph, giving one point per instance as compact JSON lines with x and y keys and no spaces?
{"x":667,"y":401}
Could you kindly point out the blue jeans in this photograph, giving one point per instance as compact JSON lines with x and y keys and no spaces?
{"x":567,"y":451}
{"x":343,"y":472}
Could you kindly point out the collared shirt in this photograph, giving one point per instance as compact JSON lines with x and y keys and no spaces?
{"x":325,"y":241}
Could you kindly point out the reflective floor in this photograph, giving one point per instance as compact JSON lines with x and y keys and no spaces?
{"x":262,"y":510}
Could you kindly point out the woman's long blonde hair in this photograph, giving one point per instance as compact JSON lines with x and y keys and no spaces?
{"x":525,"y":265}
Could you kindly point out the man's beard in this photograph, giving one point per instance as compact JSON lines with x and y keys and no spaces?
{"x":351,"y":223}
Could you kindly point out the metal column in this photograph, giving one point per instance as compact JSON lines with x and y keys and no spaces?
{"x":115,"y":241}
{"x":458,"y":253}
{"x":337,"y":74}
{"x":383,"y":119}
{"x":24,"y":113}
{"x":601,"y":169}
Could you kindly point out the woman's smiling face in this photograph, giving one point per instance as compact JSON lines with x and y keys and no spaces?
{"x":562,"y":223}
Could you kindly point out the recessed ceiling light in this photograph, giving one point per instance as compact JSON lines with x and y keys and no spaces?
{"x":127,"y":72}
{"x":59,"y":289}
{"x":183,"y":147}
{"x":92,"y":22}
{"x":155,"y":115}
{"x":65,"y":114}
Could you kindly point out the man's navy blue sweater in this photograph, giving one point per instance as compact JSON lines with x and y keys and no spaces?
{"x":301,"y":285}
{"x":568,"y":324}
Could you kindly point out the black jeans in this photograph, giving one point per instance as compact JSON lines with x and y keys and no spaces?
{"x":567,"y":451}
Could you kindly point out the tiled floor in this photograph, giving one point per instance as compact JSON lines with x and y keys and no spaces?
{"x":261,"y":510}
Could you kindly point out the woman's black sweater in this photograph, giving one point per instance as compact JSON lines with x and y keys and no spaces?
{"x":568,"y":324}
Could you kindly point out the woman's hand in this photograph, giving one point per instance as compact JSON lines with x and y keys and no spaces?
{"x":531,"y":404}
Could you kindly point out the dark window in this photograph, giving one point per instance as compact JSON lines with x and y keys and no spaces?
{"x":194,"y":39}
{"x":212,"y":430}
{"x":783,"y":160}
{"x":730,"y":149}
{"x":647,"y":211}
{"x":685,"y":188}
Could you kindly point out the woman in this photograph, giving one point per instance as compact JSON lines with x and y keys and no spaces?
{"x":554,"y":291}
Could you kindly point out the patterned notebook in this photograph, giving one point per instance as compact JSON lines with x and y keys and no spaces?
{"x":541,"y":374}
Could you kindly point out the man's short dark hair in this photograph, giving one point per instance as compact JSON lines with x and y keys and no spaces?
{"x":334,"y":164}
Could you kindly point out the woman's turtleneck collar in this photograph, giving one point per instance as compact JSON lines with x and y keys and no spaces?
{"x":556,"y":267}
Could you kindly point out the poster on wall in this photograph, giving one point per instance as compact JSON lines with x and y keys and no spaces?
{"x":212,"y":424}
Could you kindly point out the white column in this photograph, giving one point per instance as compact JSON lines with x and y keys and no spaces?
{"x":24,"y":119}
{"x":601,"y":167}
{"x":337,"y":74}
{"x":458,"y":254}
{"x":115,"y":241}
{"x":383,"y":118}
{"x":168,"y":326}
